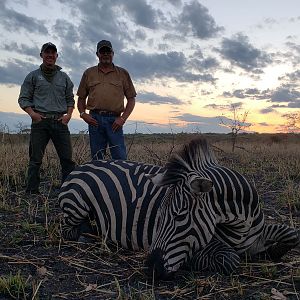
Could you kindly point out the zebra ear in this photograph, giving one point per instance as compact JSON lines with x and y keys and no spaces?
{"x":157,"y":179}
{"x":201,"y":185}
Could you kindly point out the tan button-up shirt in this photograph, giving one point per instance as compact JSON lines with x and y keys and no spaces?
{"x":106,"y":91}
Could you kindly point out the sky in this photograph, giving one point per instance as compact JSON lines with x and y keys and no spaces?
{"x":193,"y":63}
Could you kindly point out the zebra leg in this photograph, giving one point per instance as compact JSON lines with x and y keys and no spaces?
{"x":216,"y":257}
{"x":274,"y":242}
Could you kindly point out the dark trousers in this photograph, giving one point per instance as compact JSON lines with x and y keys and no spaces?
{"x":41,"y":133}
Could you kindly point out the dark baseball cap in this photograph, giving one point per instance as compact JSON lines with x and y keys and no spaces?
{"x":48,"y":45}
{"x":104,"y":43}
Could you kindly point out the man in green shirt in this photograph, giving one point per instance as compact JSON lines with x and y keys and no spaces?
{"x":47,"y":96}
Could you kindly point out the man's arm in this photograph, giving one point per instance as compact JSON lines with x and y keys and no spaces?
{"x":81,"y":105}
{"x":33,"y":115}
{"x":120,"y":121}
{"x":26,"y":98}
{"x":128,"y":109}
{"x":67,"y":117}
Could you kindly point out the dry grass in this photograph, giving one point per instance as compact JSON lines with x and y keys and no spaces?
{"x":37,"y":264}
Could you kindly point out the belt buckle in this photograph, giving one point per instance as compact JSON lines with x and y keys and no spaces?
{"x":106,"y":113}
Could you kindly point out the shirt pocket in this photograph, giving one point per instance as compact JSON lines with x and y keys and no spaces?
{"x":116,"y":88}
{"x":117,"y":84}
{"x":60,"y":89}
{"x":93,"y":89}
{"x":92,"y":84}
{"x":41,"y":85}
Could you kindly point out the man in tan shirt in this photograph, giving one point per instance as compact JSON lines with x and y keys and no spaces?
{"x":101,"y":91}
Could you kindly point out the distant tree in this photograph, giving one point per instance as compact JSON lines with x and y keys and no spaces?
{"x":3,"y":130}
{"x":292,"y":122}
{"x":22,"y":128}
{"x":26,"y":131}
{"x":236,"y":124}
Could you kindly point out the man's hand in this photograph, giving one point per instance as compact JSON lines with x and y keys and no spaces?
{"x":65,"y":119}
{"x":88,"y":119}
{"x":118,"y":123}
{"x":36,"y":117}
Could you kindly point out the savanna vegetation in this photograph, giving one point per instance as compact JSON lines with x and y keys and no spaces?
{"x":35,"y":263}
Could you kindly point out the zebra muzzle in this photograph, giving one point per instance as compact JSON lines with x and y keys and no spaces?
{"x":155,"y":266}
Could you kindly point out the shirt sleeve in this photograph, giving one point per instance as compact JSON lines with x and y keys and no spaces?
{"x":26,"y":92}
{"x":82,"y":91}
{"x":129,"y":90}
{"x":69,"y":93}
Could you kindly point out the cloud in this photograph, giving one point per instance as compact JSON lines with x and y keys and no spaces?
{"x":295,"y":104}
{"x":99,"y":20}
{"x":175,"y":2}
{"x":197,"y":123}
{"x":241,"y":53}
{"x":13,"y":21}
{"x":267,"y":110}
{"x":204,"y":64}
{"x":14,"y":72}
{"x":152,"y":98}
{"x":285,"y":94}
{"x":143,"y":14}
{"x":252,"y":93}
{"x":264,"y":124}
{"x":171,"y":64}
{"x":69,"y":31}
{"x":291,"y":77}
{"x":22,"y":49}
{"x":228,"y":107}
{"x":195,"y":18}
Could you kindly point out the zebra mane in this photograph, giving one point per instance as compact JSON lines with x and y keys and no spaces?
{"x":194,"y":156}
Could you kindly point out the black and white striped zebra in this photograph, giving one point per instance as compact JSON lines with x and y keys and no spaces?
{"x":202,"y":227}
{"x":118,"y":196}
{"x":192,"y":212}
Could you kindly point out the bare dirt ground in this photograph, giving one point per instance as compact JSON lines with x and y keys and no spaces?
{"x":36,"y":264}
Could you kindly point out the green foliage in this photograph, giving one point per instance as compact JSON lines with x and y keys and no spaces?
{"x":13,"y":285}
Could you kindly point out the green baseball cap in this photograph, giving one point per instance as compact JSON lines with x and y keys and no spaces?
{"x":48,"y":45}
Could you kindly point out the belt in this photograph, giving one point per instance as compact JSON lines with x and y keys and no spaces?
{"x":105,"y":112}
{"x":52,"y":116}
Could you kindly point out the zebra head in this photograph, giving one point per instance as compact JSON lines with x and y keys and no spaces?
{"x":186,"y":218}
{"x":182,"y":228}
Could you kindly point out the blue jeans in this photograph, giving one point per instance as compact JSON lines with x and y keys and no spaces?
{"x":103,"y":136}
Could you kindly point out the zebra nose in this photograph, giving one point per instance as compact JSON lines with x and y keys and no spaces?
{"x":155,"y":266}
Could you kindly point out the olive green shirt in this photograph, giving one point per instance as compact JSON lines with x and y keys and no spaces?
{"x":44,"y":96}
{"x":106,"y":91}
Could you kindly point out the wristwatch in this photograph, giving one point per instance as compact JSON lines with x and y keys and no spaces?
{"x":81,"y":114}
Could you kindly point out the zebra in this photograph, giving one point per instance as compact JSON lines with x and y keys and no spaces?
{"x":210,"y":228}
{"x":117,"y":196}
{"x":190,"y":213}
